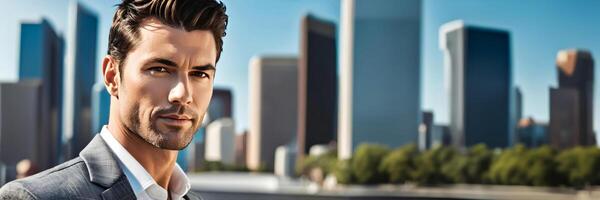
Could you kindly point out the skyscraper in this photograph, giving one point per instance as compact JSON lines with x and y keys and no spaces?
{"x":273,"y":108}
{"x":379,"y":73}
{"x":20,"y":124}
{"x":220,"y":104}
{"x":572,"y":103}
{"x":478,"y":64}
{"x":517,"y":113}
{"x":100,"y":107}
{"x":80,"y":77}
{"x":564,"y":118}
{"x":317,"y":84}
{"x":518,"y":104}
{"x":241,"y":146}
{"x":41,"y":59}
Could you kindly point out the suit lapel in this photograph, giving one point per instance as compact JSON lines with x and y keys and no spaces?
{"x":104,"y":170}
{"x":120,"y":190}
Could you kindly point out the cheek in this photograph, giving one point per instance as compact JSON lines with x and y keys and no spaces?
{"x":155,"y":92}
{"x":142,"y":96}
{"x":202,"y":97}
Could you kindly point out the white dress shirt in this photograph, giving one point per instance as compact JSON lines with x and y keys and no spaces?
{"x":142,"y":184}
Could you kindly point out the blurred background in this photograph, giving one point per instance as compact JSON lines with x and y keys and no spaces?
{"x":338,"y":99}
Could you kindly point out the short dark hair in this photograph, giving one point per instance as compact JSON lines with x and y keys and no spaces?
{"x":187,"y":14}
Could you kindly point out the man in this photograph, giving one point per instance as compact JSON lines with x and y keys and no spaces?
{"x":159,"y":72}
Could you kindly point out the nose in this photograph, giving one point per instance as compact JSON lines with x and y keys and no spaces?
{"x":181,"y":93}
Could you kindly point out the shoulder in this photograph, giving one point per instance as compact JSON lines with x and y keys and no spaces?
{"x":15,"y":190}
{"x":64,"y":179}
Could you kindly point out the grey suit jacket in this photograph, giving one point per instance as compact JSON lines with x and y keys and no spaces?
{"x":95,"y":174}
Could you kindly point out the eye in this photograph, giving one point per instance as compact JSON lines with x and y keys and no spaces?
{"x":158,"y":70}
{"x":199,"y":74}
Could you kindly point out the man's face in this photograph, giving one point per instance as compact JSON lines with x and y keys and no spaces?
{"x":166,"y":84}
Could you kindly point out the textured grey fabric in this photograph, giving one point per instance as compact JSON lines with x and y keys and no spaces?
{"x":95,"y":174}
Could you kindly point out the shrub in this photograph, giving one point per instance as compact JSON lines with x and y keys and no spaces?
{"x":400,"y":164}
{"x":326,"y":162}
{"x":469,"y":168}
{"x":541,"y":167}
{"x":429,"y":165}
{"x":580,"y":166}
{"x":343,"y":172}
{"x":366,"y":161}
{"x":509,"y":167}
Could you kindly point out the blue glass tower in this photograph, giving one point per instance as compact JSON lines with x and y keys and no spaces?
{"x":479,"y":65}
{"x":80,"y":78}
{"x":41,"y":58}
{"x":379,"y":91}
{"x":100,"y":107}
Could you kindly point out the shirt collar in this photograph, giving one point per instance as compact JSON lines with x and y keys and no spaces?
{"x":140,"y":180}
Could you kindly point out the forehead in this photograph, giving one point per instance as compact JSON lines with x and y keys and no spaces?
{"x":160,"y":40}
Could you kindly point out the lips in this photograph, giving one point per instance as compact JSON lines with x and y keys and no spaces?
{"x":176,"y":117}
{"x":175,"y":120}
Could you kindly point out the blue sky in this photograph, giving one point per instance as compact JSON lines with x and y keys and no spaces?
{"x":539,"y":28}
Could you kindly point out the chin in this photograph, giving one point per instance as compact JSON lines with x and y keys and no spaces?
{"x":175,"y":140}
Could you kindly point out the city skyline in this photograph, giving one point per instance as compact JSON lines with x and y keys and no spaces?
{"x":537,"y":35}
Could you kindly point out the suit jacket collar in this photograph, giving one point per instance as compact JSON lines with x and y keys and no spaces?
{"x":101,"y":163}
{"x":104,"y":170}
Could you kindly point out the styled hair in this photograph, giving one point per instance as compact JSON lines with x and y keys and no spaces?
{"x":187,"y":14}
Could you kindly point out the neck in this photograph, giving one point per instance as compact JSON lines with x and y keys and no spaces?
{"x":158,"y":162}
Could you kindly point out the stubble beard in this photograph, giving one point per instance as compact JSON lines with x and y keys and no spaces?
{"x":150,"y":133}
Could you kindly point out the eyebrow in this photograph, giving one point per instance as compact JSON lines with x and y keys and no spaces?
{"x":170,"y":63}
{"x":205,"y":67}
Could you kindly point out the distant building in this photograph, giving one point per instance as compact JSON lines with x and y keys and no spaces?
{"x":478,"y":64}
{"x":100,"y":107}
{"x":565,"y":116}
{"x":41,"y":59}
{"x":220,"y":140}
{"x":531,"y":133}
{"x":285,"y":161}
{"x":379,"y":92}
{"x":80,"y":76}
{"x":572,"y":103}
{"x":195,"y":155}
{"x":20,"y":124}
{"x":425,"y":130}
{"x":440,"y":136}
{"x":517,"y":113}
{"x":220,"y":105}
{"x":241,"y":144}
{"x":273,"y":108}
{"x":317,"y":84}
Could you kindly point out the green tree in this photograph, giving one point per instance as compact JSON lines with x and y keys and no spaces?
{"x":580,"y":166}
{"x":343,"y":172}
{"x":400,"y":163}
{"x":469,"y":168}
{"x":541,"y":167}
{"x":326,"y":162}
{"x":366,"y":161}
{"x":510,"y":167}
{"x":429,"y":165}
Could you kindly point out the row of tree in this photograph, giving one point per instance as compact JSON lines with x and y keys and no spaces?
{"x":543,"y":166}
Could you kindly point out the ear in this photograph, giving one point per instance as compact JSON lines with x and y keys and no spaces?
{"x":110,"y":70}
